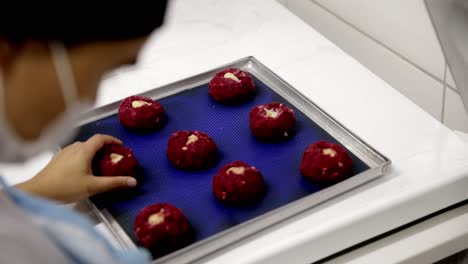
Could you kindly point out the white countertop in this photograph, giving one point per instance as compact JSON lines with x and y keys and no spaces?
{"x":426,"y":242}
{"x":430,"y":163}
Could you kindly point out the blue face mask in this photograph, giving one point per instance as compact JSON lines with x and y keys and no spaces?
{"x":60,"y":130}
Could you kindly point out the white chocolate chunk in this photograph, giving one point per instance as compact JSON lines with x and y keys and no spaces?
{"x":115,"y":158}
{"x":191,"y":139}
{"x":229,"y":75}
{"x":271,"y":113}
{"x":136,"y":104}
{"x":156,"y":218}
{"x":236,"y":170}
{"x":329,"y":152}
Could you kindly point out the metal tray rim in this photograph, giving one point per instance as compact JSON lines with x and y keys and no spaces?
{"x":236,"y":233}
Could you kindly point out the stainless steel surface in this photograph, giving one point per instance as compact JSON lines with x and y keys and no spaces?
{"x":376,"y":161}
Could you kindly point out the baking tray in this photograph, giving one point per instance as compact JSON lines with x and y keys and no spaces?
{"x":189,"y":107}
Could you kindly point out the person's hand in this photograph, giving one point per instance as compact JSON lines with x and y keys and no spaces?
{"x":68,"y":176}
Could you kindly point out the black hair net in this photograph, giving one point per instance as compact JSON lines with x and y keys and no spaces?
{"x":75,"y":22}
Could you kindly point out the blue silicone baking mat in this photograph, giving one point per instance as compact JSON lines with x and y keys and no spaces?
{"x":192,"y":191}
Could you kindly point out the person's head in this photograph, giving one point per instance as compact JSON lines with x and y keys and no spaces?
{"x":33,"y":94}
{"x":82,"y":44}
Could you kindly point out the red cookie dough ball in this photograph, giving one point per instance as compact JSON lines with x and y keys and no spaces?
{"x":273,"y":121}
{"x":141,"y":113}
{"x":115,"y":160}
{"x":232,"y":86}
{"x":238,"y":183}
{"x":162,"y":228}
{"x":191,"y":150}
{"x":326,"y":162}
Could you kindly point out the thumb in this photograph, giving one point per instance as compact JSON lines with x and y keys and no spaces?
{"x":108,"y":183}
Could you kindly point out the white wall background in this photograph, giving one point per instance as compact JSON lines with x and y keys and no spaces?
{"x":394,"y":39}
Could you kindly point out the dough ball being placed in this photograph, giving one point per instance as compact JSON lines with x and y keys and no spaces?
{"x":191,"y":150}
{"x":162,"y":228}
{"x":238,"y":184}
{"x":141,"y":113}
{"x":326,"y":162}
{"x":232,"y":86}
{"x":272,"y":122}
{"x":115,"y":160}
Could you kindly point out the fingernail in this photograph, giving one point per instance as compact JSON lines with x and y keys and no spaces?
{"x":131,"y":182}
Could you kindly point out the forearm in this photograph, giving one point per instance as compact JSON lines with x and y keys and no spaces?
{"x":35,"y":188}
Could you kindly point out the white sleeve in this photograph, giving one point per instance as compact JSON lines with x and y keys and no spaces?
{"x":21,"y":240}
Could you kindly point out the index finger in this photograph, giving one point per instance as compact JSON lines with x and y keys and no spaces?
{"x":96,"y":142}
